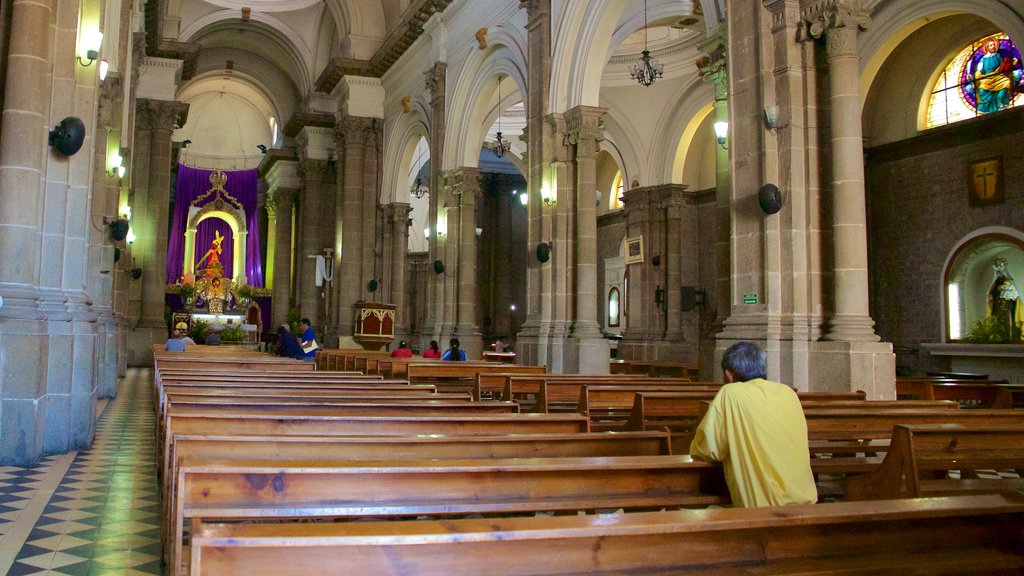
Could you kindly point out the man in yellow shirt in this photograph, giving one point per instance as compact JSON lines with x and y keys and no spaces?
{"x":757,"y":430}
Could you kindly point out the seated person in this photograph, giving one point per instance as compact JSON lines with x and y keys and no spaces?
{"x":757,"y":430}
{"x":288,"y":344}
{"x":434,"y":351}
{"x":187,"y":339}
{"x":454,"y":353}
{"x":175,"y":343}
{"x":402,"y":351}
{"x":210,"y":338}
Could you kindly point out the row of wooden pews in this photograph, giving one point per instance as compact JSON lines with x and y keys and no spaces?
{"x":250,"y":455}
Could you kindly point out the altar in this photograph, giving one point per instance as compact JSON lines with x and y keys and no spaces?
{"x":220,"y":321}
{"x":998,"y":361}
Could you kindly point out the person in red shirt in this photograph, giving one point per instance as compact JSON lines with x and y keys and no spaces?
{"x":434,"y":351}
{"x":402,"y":351}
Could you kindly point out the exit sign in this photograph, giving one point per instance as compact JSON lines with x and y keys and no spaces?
{"x":750,"y":298}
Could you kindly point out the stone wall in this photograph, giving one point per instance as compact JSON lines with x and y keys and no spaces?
{"x":918,"y":213}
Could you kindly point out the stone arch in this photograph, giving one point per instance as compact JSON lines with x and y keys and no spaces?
{"x":967,"y":273}
{"x":472,"y":94}
{"x":908,"y":60}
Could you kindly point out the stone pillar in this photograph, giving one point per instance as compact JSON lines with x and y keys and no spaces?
{"x":851,"y":321}
{"x":714,"y":71}
{"x":398,"y":219}
{"x":532,"y":340}
{"x":351,"y":135}
{"x":310,"y":297}
{"x":280,"y":208}
{"x":435,"y":80}
{"x":584,"y":130}
{"x":463,"y":189}
{"x":155,"y":122}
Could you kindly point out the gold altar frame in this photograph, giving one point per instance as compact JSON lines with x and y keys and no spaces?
{"x":227,"y":208}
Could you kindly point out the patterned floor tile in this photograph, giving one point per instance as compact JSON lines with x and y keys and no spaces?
{"x":103,"y":518}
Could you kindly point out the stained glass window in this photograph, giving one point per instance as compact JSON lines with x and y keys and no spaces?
{"x":984,"y":77}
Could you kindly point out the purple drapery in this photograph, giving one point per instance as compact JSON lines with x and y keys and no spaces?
{"x":194,"y":182}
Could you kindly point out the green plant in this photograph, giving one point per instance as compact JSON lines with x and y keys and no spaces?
{"x":245,"y":292}
{"x":992,"y":330}
{"x":294,"y":318}
{"x":195,"y":331}
{"x":187,"y":293}
{"x":232,"y":334}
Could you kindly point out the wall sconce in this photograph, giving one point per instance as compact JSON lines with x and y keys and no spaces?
{"x":722,"y":134}
{"x":438,"y":267}
{"x":136,"y":273}
{"x":690,"y":298}
{"x":130,"y":237}
{"x":442,"y":224}
{"x":426,"y":233}
{"x":89,"y":46}
{"x":771,"y":118}
{"x":548,"y":196}
{"x":524,"y":199}
{"x":126,"y":211}
{"x":479,"y":231}
{"x":104,"y":68}
{"x":659,"y":296}
{"x":117,"y":166}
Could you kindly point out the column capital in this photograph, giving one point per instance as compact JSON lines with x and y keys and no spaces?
{"x":536,"y":9}
{"x":278,"y":198}
{"x":434,"y":80}
{"x":160,"y":114}
{"x":713,"y":67}
{"x":583,"y":128}
{"x":841,"y":19}
{"x":784,"y":13}
{"x":311,"y":171}
{"x":397,"y":212}
{"x":354,"y":129}
{"x":463,"y":183}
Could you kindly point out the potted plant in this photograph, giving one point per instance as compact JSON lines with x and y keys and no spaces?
{"x":245,"y":293}
{"x":188,"y":294}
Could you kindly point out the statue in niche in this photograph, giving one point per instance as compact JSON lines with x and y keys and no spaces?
{"x":1004,"y":302}
{"x":213,"y":266}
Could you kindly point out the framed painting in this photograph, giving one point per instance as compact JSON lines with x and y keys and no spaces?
{"x":985,"y":182}
{"x":634,"y":250}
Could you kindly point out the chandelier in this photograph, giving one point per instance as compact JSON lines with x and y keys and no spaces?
{"x":646,"y":69}
{"x":500,"y":146}
{"x":418,"y":189}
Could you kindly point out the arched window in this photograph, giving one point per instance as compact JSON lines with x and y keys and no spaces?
{"x":613,"y":307}
{"x":615,"y":194}
{"x":981,"y":289}
{"x":983,"y":77}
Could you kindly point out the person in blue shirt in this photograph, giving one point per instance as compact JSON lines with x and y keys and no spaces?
{"x":307,"y":340}
{"x":175,"y":343}
{"x":454,"y":353}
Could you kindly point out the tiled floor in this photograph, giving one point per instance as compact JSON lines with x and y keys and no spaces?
{"x":90,"y":512}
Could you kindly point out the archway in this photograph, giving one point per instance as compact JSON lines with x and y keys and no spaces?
{"x":977,"y":309}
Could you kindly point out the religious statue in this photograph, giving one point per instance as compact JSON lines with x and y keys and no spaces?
{"x":213,"y":266}
{"x":1004,"y":301}
{"x":994,"y":78}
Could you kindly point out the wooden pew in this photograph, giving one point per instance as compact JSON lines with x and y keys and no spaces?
{"x":495,"y":384}
{"x":565,"y":389}
{"x":920,"y":458}
{"x":243,"y":490}
{"x":969,"y":394}
{"x":885,"y":537}
{"x":190,"y":420}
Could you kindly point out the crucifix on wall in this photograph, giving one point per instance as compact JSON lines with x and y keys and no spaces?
{"x":985,"y":182}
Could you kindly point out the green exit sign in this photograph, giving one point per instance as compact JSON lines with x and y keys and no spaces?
{"x":750,"y":298}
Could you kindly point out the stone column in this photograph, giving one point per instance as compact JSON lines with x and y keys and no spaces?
{"x":718,"y":301}
{"x":155,"y":122}
{"x":851,"y":321}
{"x":398,"y":219}
{"x":673,"y":206}
{"x":464,"y":188}
{"x":531,"y":342}
{"x":435,"y":80}
{"x":584,"y":130}
{"x":350,"y":135}
{"x":280,"y":208}
{"x":23,"y":359}
{"x":308,"y":295}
